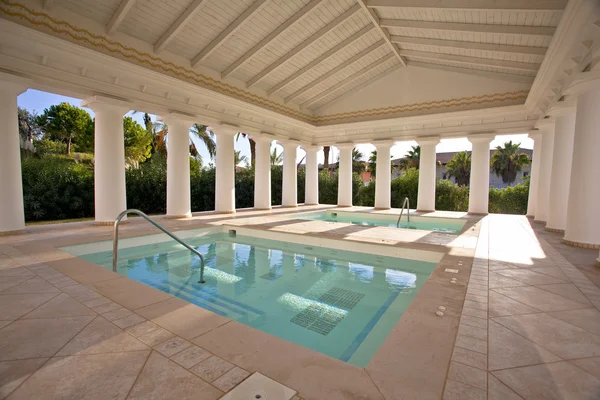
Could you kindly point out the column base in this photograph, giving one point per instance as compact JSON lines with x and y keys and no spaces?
{"x":224,"y":212}
{"x":15,"y":232}
{"x":343,"y":206}
{"x":109,"y":223}
{"x":311,"y":204}
{"x":530,"y":216}
{"x":289,"y":205}
{"x":477,"y":213}
{"x":263,"y":209}
{"x":178,"y":216}
{"x":424,"y":211}
{"x":554,"y":230}
{"x":538,"y":221}
{"x":382,"y":208}
{"x":581,"y":244}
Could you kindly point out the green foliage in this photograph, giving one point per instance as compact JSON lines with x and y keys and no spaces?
{"x":328,"y":188}
{"x":66,"y":123}
{"x":460,"y":168}
{"x":276,"y":159}
{"x":358,"y":165}
{"x":373,"y":163}
{"x":507,"y":161}
{"x":411,"y":159}
{"x":510,"y":200}
{"x":405,"y":185}
{"x":450,"y":196}
{"x":138,"y":142}
{"x":47,"y":146}
{"x":28,"y":125}
{"x":147,"y":185}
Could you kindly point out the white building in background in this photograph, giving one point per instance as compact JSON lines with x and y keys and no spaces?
{"x":320,"y":73}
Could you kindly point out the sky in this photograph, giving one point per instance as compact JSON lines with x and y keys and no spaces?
{"x":35,"y":100}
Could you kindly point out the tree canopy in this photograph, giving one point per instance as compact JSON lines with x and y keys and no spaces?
{"x":67,"y":123}
{"x":507,"y":161}
{"x":459,"y":167}
{"x":138,"y":141}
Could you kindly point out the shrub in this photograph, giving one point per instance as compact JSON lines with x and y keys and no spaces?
{"x":405,"y":185}
{"x":510,"y":200}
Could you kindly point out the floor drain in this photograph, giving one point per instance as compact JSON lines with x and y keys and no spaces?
{"x":258,"y":396}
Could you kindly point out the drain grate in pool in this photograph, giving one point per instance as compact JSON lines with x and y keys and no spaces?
{"x":317,"y":318}
{"x":341,"y":298}
{"x":270,"y":276}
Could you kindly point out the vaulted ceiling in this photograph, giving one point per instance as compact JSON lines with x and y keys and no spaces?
{"x":307,"y":53}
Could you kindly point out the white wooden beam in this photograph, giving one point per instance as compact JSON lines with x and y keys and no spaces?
{"x":487,"y":62}
{"x":334,"y":71}
{"x":469,"y":28}
{"x":384,"y":34}
{"x":512,"y":5}
{"x":272,"y":36}
{"x":459,"y":44}
{"x":178,"y":25}
{"x":313,"y":38}
{"x":362,"y":85}
{"x":348,"y":80}
{"x":334,"y":50}
{"x":487,"y":74}
{"x":119,"y":16}
{"x":229,"y":31}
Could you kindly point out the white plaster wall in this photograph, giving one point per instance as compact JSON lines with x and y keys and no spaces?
{"x":416,"y":84}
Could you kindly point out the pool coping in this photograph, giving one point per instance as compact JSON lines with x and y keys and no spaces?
{"x":419,"y":336}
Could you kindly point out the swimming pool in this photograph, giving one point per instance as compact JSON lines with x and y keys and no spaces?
{"x":340,"y":303}
{"x":451,"y":225}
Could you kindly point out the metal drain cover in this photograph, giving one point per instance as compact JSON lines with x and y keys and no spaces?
{"x":260,"y":387}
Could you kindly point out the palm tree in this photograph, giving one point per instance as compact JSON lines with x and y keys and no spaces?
{"x":276,"y":159}
{"x":239,"y":158}
{"x":460,"y":167}
{"x":358,"y":166}
{"x":373,"y":163}
{"x":206,"y":137}
{"x":507,"y":161}
{"x":411,"y":159}
{"x":326,"y":150}
{"x":252,"y":146}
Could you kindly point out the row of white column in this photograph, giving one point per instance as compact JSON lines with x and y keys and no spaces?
{"x":565,"y":183}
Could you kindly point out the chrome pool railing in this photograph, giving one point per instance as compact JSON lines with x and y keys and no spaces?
{"x":147,"y":218}
{"x":405,"y":203}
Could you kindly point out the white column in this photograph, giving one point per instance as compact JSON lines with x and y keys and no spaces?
{"x":225,"y":172}
{"x":109,"y":158}
{"x":179,"y":203}
{"x":583,"y":211}
{"x":311,"y":191}
{"x":383,"y":180}
{"x":479,"y":187}
{"x":262,"y":172}
{"x":345,"y":175}
{"x":12,"y":216}
{"x":546,"y":126}
{"x":562,"y":158}
{"x":289,"y":196}
{"x":426,"y":194}
{"x":534,"y":180}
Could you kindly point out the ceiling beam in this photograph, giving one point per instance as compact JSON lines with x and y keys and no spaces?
{"x":384,"y":33}
{"x":487,"y":74}
{"x":334,"y":71}
{"x":513,"y":5}
{"x":313,"y":38}
{"x":119,"y":16}
{"x":469,"y":28}
{"x":229,"y":31}
{"x":349,"y":79}
{"x":272,"y":36}
{"x":459,"y":44}
{"x":362,"y":85}
{"x":334,"y":50}
{"x":183,"y":19}
{"x":486,"y":62}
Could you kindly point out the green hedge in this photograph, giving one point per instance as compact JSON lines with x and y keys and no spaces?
{"x":59,"y":188}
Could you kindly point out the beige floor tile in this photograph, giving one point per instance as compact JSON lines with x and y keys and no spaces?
{"x":561,"y":338}
{"x":13,"y":306}
{"x":82,"y":271}
{"x":590,"y":365}
{"x":471,"y":343}
{"x":172,"y":346}
{"x":8,"y":282}
{"x":117,"y":314}
{"x":4,"y":323}
{"x":33,"y":285}
{"x":588,"y":318}
{"x":552,"y":271}
{"x":129,"y":293}
{"x":556,"y":381}
{"x":156,"y":336}
{"x":540,"y":299}
{"x":191,"y":356}
{"x":142,"y":328}
{"x":470,"y":358}
{"x":231,"y":379}
{"x":90,"y":377}
{"x":508,"y":349}
{"x":471,"y":331}
{"x":97,"y":301}
{"x":474,"y":321}
{"x":182,"y":318}
{"x":459,"y":391}
{"x":13,"y":373}
{"x":499,"y":281}
{"x":499,"y":391}
{"x":468,"y":375}
{"x":475,"y":312}
{"x":566,"y":290}
{"x":212,"y":368}
{"x":501,"y":305}
{"x":18,"y":271}
{"x":161,"y":378}
{"x":35,"y":338}
{"x":101,"y":336}
{"x":128,"y":321}
{"x":107,"y":307}
{"x":61,"y":306}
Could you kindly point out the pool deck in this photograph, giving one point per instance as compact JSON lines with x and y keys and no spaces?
{"x":521,"y":321}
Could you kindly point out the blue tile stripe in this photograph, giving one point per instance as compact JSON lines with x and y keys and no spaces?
{"x":185,"y":297}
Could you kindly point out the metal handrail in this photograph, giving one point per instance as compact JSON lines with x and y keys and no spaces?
{"x":147,"y":218}
{"x":405,"y":203}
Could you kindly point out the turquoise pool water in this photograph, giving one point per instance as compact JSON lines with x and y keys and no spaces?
{"x":339,"y":303}
{"x":423,"y":223}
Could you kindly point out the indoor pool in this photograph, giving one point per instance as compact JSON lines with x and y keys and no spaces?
{"x":451,"y":225}
{"x":337,"y":302}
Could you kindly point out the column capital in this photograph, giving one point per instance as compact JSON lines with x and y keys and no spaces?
{"x":481,"y":138}
{"x":100,"y":103}
{"x":262,"y":137}
{"x":383,"y":143}
{"x":288,"y":143}
{"x":428,"y":140}
{"x":224,"y":129}
{"x":13,"y":83}
{"x":311,"y":147}
{"x":534,"y":134}
{"x":545,"y":125}
{"x":583,"y":82}
{"x":175,"y":117}
{"x":345,"y":146}
{"x":562,"y":108}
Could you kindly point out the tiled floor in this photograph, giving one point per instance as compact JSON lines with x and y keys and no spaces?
{"x":521,"y":323}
